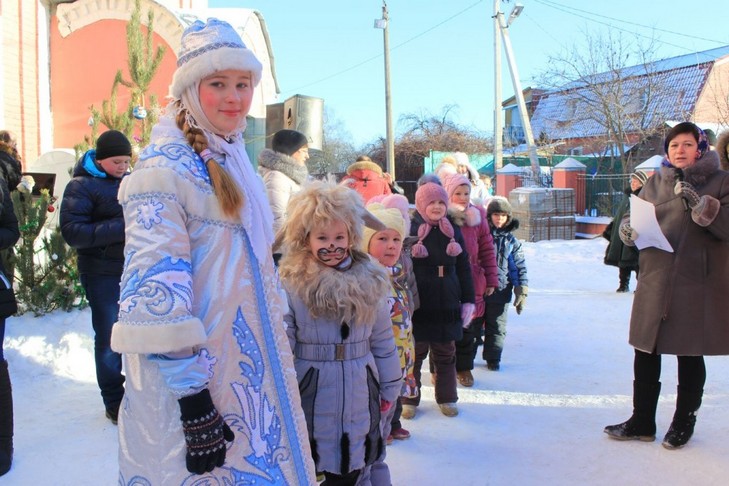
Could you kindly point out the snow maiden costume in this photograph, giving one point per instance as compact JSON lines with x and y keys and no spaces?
{"x":200,"y":307}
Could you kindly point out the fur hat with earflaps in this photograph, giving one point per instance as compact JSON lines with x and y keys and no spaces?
{"x":352,"y":295}
{"x":424,"y":196}
{"x":320,"y":203}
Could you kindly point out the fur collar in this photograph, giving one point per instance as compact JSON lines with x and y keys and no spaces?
{"x":722,"y":144}
{"x":697,"y":174}
{"x":470,"y":216}
{"x":351,"y":296}
{"x":283,"y":163}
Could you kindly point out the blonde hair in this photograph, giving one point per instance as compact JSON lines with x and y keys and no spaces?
{"x":226,"y":190}
{"x":319,"y":204}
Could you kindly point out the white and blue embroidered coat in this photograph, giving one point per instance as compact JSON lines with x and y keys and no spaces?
{"x":191,"y":281}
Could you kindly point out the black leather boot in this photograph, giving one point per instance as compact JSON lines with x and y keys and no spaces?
{"x":6,"y":419}
{"x":642,"y":424}
{"x":624,"y":276}
{"x":684,"y":419}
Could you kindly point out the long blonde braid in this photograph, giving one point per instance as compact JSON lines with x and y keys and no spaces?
{"x":226,"y":191}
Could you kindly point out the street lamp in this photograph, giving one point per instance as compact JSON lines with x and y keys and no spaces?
{"x":515,"y":12}
{"x":390,"y":152}
{"x":501,"y":33}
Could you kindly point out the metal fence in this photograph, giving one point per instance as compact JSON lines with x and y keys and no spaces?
{"x":603,"y":193}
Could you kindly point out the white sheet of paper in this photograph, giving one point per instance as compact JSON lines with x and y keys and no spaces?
{"x":643,"y":221}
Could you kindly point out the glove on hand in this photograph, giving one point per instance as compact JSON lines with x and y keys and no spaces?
{"x":385,"y":405}
{"x":627,"y":234}
{"x":688,"y":192}
{"x":467,"y":311}
{"x":520,"y":292}
{"x":205,"y":433}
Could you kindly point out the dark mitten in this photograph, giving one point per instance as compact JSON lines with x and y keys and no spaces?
{"x":205,"y":432}
{"x":704,"y":209}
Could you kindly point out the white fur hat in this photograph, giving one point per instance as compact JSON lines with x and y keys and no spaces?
{"x":210,"y":47}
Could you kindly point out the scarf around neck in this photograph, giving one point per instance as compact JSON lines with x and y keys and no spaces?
{"x":255,"y":213}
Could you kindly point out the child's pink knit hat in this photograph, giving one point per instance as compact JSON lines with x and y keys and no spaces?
{"x":426,"y":194}
{"x":452,"y":182}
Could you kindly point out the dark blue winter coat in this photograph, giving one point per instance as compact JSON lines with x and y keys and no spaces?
{"x":441,"y":290}
{"x":509,"y":260}
{"x":92,"y":221}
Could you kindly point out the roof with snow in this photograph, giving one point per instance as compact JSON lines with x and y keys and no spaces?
{"x":649,"y":94}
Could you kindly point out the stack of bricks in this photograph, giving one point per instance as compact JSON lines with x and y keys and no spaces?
{"x":544,"y":213}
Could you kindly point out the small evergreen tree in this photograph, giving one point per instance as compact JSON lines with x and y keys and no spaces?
{"x":45,"y":267}
{"x":142,"y":63}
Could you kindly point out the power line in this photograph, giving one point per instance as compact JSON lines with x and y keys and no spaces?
{"x":612,"y":26}
{"x":355,"y":66}
{"x":552,"y":4}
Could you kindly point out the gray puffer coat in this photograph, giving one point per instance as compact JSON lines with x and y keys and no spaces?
{"x":344,"y":369}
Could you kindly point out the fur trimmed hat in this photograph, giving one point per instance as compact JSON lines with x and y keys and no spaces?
{"x":321,"y":203}
{"x":453,"y":181}
{"x":640,"y":176}
{"x":112,"y":143}
{"x":499,"y":204}
{"x":288,"y":141}
{"x":210,"y":47}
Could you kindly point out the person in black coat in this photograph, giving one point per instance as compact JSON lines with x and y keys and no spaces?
{"x":443,"y":275}
{"x":9,"y":234}
{"x":617,"y":253}
{"x":92,"y":222}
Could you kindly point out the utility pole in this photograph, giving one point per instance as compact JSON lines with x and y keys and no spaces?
{"x":383,"y":24}
{"x":503,"y":33}
{"x":498,"y":131}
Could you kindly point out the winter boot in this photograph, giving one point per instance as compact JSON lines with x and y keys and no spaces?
{"x":6,"y":419}
{"x":684,"y":419}
{"x":624,"y":276}
{"x":642,"y":424}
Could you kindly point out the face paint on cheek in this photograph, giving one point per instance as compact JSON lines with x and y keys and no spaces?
{"x":332,"y":253}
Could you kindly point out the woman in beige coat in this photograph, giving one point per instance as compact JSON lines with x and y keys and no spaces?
{"x":680,"y":302}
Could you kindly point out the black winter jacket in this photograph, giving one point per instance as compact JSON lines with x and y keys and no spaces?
{"x":441,"y":291}
{"x":92,"y":220}
{"x":617,"y":253}
{"x":9,"y":233}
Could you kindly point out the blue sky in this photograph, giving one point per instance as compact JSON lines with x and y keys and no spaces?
{"x":442,"y":52}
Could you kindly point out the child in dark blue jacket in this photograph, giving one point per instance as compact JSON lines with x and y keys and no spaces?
{"x":512,"y":277}
{"x":92,"y":222}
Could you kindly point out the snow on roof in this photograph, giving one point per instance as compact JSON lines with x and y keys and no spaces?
{"x":668,"y":94}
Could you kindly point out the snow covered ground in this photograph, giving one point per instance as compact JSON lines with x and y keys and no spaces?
{"x":566,"y":373}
